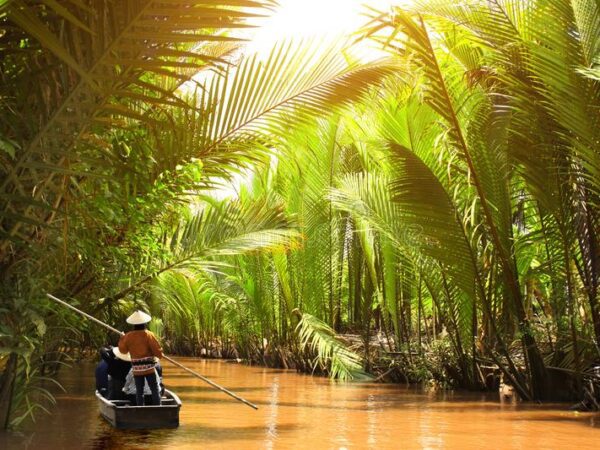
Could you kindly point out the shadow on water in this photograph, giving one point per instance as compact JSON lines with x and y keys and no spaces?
{"x":215,"y":433}
{"x":586,"y":419}
{"x":110,"y":438}
{"x":122,"y":439}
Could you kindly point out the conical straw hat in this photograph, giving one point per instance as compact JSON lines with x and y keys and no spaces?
{"x":123,"y":356}
{"x":138,"y":318}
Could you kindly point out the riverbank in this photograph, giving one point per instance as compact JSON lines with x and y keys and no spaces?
{"x":435,"y":367}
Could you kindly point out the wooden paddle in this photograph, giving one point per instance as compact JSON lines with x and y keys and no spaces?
{"x":171,"y":360}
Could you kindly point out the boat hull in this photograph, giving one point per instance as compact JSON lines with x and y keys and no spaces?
{"x":120,"y":414}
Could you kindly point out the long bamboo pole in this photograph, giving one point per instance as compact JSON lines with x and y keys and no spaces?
{"x":171,"y":360}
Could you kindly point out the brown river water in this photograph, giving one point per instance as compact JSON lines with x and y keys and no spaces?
{"x":304,"y":412}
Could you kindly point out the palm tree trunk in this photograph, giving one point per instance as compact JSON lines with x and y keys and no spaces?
{"x":590,"y":268}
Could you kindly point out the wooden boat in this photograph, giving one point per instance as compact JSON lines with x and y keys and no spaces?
{"x":122,"y":414}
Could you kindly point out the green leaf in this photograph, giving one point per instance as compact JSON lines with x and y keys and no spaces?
{"x":9,"y":147}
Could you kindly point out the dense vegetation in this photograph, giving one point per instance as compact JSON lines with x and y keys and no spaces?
{"x":433,"y":212}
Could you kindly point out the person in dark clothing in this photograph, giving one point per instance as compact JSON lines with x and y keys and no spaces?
{"x":117,"y":367}
{"x":102,"y":378}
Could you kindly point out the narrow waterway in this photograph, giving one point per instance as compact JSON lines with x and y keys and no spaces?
{"x":299,"y":411}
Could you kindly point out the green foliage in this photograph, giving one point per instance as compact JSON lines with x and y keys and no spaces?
{"x":70,"y":75}
{"x":331,"y":354}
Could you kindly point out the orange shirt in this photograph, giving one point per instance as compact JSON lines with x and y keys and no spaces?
{"x":140,"y":344}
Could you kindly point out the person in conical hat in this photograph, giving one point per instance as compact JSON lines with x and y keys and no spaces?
{"x":139,"y":318}
{"x":121,"y":356}
{"x":118,"y":366}
{"x":144,"y":348}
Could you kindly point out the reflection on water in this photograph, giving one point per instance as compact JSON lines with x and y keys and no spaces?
{"x":272,"y":419}
{"x":299,"y":411}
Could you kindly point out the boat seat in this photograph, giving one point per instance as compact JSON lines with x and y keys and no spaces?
{"x":120,"y":402}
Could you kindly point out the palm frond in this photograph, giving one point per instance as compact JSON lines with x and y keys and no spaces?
{"x":332,"y":354}
{"x":261,"y":100}
{"x":232,"y":228}
{"x":86,"y":66}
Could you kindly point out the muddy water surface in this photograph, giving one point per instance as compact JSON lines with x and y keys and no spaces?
{"x":299,"y":411}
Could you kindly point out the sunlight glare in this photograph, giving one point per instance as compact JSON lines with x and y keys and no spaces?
{"x":322,"y":19}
